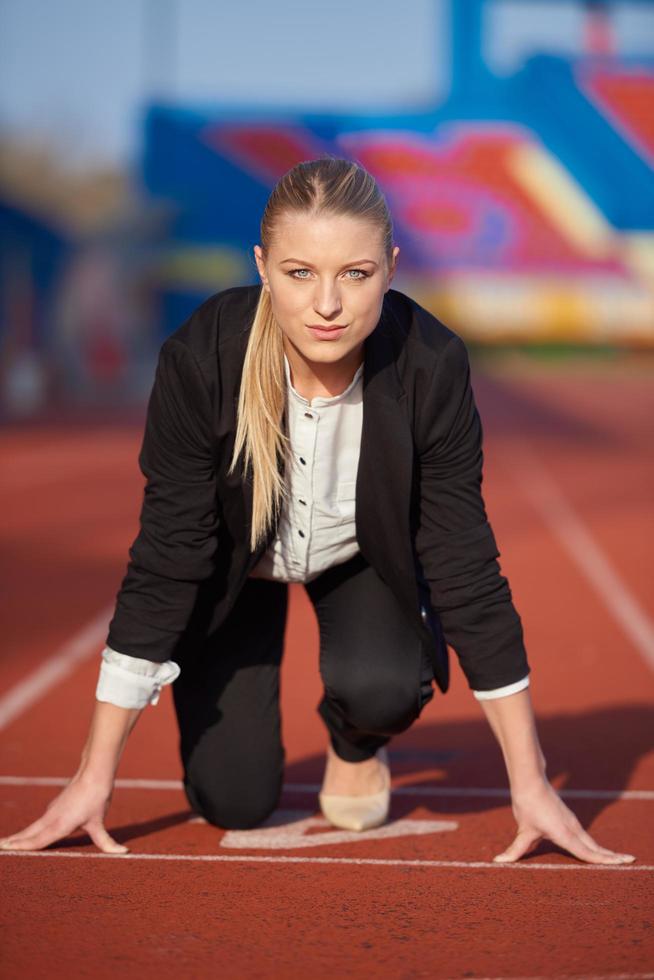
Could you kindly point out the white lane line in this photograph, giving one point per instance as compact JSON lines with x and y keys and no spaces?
{"x":292,"y":859}
{"x":579,"y":976}
{"x":477,"y":791}
{"x":584,"y":550}
{"x":491,"y":791}
{"x":60,"y":665}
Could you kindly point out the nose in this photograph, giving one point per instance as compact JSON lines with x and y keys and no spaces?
{"x":327,"y":300}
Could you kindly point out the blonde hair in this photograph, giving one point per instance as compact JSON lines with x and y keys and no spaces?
{"x":327,"y":185}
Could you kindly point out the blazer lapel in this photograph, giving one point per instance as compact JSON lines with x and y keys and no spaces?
{"x":383,"y":490}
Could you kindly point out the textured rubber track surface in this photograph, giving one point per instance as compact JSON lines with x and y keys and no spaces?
{"x":568,"y":486}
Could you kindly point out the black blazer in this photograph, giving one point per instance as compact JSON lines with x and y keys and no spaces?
{"x":420,"y":516}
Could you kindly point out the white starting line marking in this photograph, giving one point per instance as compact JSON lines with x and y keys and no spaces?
{"x":291,"y":859}
{"x":289,"y":827}
{"x":477,"y":791}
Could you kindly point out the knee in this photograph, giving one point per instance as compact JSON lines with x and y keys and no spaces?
{"x":383,"y":705}
{"x":236,"y":810}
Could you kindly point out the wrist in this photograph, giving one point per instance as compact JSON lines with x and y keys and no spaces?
{"x":97,"y":767}
{"x":526,"y":770}
{"x":528,"y":785}
{"x":110,"y":728}
{"x":95,"y":777}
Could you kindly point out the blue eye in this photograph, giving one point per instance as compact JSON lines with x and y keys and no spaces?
{"x":361,"y":274}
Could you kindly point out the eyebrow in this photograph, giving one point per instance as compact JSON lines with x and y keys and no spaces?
{"x":309,"y":264}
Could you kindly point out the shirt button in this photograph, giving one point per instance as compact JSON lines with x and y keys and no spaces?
{"x":308,"y":415}
{"x":303,"y":461}
{"x":302,"y":501}
{"x":301,"y":533}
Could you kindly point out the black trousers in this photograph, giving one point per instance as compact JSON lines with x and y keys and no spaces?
{"x":375,"y":668}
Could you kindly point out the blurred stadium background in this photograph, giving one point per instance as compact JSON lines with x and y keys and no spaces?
{"x":514,"y":140}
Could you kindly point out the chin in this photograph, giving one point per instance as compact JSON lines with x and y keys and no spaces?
{"x":321,"y":356}
{"x":331,"y":350}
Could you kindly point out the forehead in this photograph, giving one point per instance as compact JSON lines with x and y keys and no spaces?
{"x":326,"y":235}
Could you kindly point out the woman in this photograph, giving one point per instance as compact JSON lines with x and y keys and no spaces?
{"x":279,"y":413}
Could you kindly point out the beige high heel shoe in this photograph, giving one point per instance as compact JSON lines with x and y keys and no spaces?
{"x":360,"y":812}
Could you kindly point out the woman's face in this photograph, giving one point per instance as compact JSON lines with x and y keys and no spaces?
{"x":326,"y":277}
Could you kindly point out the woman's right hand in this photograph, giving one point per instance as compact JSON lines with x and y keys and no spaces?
{"x":82,"y":804}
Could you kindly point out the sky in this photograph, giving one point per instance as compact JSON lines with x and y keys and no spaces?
{"x":76,"y":73}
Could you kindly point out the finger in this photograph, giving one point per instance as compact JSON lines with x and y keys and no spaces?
{"x":33,"y":843}
{"x":572,"y":841}
{"x":575,"y":827}
{"x":592,"y":843}
{"x":16,"y":841}
{"x":102,"y":839}
{"x":28,"y":831}
{"x":50,"y":830}
{"x":523,"y":842}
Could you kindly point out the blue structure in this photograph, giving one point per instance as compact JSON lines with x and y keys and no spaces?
{"x":474,"y":183}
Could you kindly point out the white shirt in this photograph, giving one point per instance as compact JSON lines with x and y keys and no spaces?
{"x":316,"y":528}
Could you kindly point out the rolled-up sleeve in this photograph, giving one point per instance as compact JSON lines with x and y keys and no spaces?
{"x":131,"y":682}
{"x":502,"y":692}
{"x":174,"y":550}
{"x":455,"y":542}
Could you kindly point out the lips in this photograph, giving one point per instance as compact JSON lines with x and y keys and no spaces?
{"x":321,"y":332}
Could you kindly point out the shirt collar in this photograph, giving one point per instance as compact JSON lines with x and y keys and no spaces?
{"x":320,"y":399}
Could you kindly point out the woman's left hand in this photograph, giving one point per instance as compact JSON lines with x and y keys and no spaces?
{"x":542,"y":813}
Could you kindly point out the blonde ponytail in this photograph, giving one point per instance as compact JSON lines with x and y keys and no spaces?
{"x":259,"y":433}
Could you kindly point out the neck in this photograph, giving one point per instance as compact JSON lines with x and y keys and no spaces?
{"x":314,"y":380}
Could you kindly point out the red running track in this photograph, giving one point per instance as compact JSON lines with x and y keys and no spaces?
{"x":568,"y":485}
